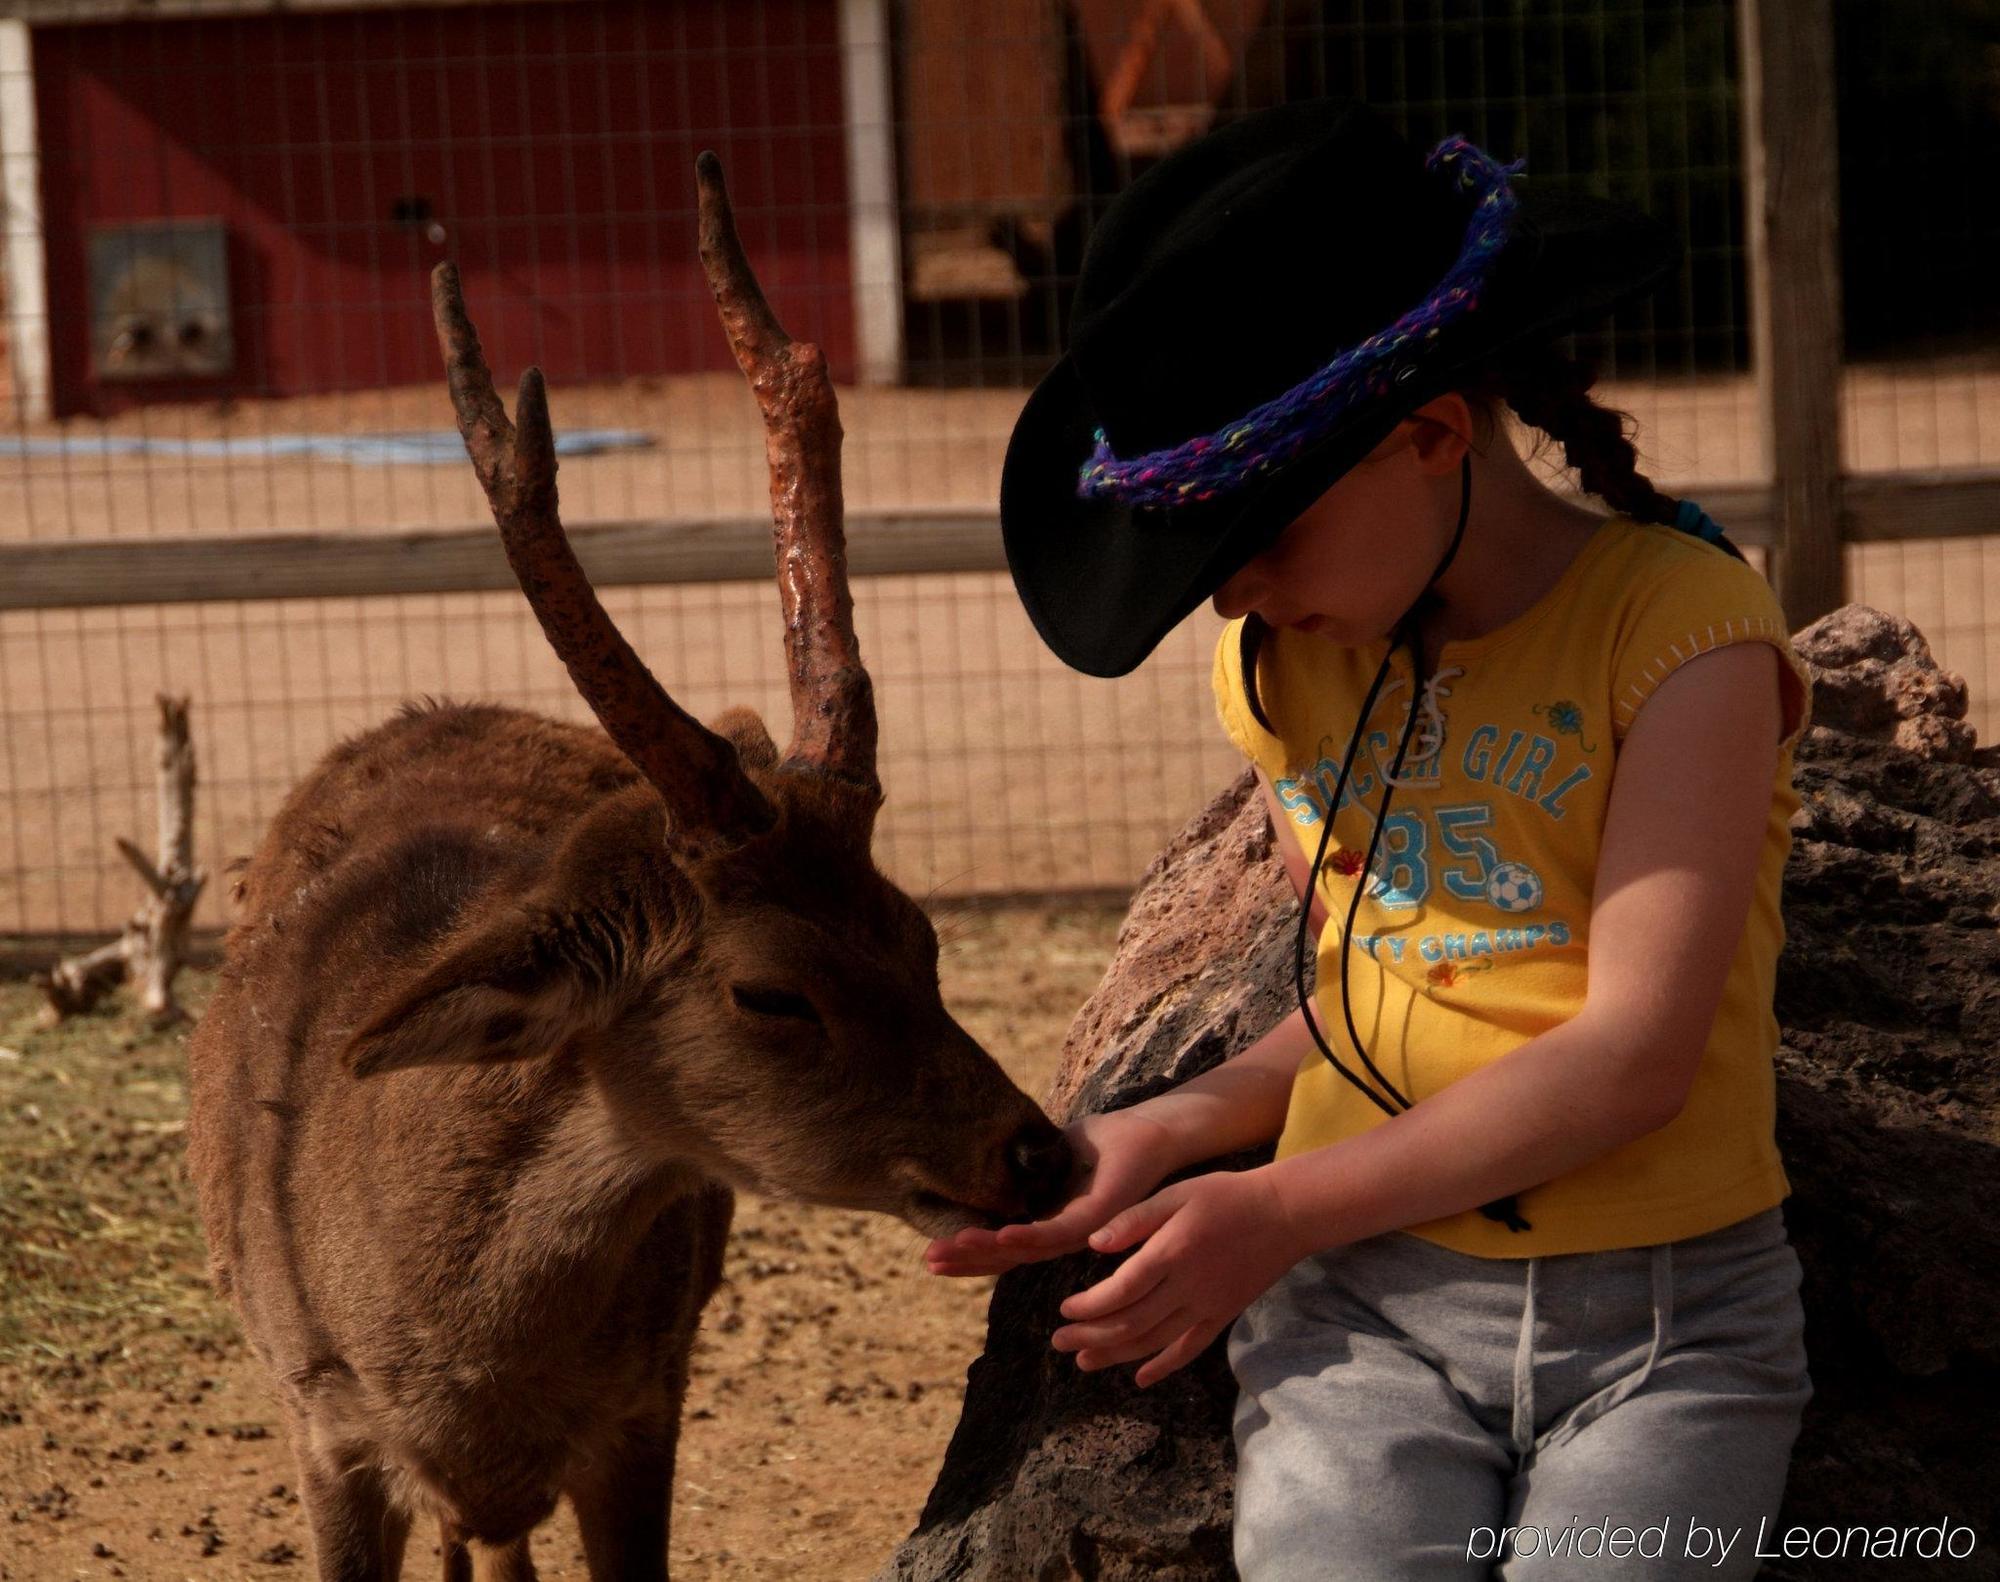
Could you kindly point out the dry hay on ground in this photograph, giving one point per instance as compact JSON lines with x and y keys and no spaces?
{"x":137,"y":1434}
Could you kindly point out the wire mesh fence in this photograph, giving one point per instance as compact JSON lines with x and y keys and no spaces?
{"x":221,"y":214}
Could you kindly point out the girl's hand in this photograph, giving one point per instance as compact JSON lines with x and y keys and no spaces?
{"x":1120,"y":1157}
{"x":1213,"y":1245}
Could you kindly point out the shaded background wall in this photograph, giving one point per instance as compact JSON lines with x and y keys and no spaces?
{"x":1635,"y":100}
{"x":547,"y":145}
{"x":549,"y":149}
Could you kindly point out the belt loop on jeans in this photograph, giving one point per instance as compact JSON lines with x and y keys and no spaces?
{"x":1524,"y":1369}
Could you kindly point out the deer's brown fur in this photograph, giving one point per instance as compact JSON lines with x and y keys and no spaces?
{"x":509,"y":1010}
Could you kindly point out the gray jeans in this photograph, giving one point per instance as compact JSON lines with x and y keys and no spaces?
{"x":1401,"y":1404}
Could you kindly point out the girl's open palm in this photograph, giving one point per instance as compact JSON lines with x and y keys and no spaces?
{"x":1120,"y":1158}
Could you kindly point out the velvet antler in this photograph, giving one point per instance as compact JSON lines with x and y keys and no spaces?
{"x":695,"y":770}
{"x":833,"y":703}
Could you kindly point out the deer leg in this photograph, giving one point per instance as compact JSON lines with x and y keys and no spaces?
{"x":467,"y":1559}
{"x":623,"y":1503}
{"x":457,"y":1557}
{"x":508,"y":1562}
{"x":358,"y":1531}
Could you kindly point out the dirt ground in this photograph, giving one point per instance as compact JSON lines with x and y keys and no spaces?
{"x":137,"y":1438}
{"x":1006,"y":771}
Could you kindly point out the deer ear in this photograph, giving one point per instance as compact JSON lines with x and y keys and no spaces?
{"x":744,"y":729}
{"x":507,"y":995}
{"x":523,"y":979}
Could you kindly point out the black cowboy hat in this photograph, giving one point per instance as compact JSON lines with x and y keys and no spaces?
{"x":1222,"y":277}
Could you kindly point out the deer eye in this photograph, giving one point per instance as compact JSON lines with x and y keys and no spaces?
{"x":774,"y":1002}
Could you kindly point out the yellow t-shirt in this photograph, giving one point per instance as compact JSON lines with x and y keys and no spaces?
{"x":1475,"y":933}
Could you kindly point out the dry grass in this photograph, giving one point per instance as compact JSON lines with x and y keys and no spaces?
{"x":100,"y":1257}
{"x":139,"y":1438}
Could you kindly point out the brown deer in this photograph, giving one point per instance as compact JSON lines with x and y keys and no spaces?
{"x":512,"y":1005}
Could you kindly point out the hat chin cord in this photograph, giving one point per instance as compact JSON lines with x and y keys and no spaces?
{"x":1505,"y":1210}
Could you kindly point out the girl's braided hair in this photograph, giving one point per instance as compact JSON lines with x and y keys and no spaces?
{"x":1550,"y":391}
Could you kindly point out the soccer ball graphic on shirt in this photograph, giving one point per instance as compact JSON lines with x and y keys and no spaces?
{"x":1514,"y":887}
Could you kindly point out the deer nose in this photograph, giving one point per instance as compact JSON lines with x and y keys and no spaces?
{"x":1038,"y":1159}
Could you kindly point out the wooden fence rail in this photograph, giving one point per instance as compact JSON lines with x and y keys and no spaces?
{"x":86,"y":573}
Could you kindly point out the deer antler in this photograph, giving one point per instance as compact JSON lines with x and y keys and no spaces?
{"x":694,"y":769}
{"x":833,"y":702}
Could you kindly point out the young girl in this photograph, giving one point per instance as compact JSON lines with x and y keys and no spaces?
{"x":1515,"y":1296}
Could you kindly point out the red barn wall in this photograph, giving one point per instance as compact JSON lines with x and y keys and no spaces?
{"x":555,"y":143}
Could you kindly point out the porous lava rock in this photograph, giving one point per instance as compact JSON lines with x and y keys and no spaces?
{"x":1889,"y":1101}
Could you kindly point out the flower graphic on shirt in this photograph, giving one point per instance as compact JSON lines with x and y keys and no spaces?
{"x":1567,"y":718}
{"x":1448,"y":974}
{"x":1347,"y":862}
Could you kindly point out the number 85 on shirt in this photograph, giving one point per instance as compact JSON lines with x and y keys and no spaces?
{"x":1458,"y":854}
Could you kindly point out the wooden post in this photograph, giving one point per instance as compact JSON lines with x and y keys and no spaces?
{"x":874,"y":227}
{"x":23,"y":257}
{"x":154,"y":945}
{"x":1791,"y":198}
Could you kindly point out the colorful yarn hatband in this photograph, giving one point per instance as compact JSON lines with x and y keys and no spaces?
{"x":1270,"y":435}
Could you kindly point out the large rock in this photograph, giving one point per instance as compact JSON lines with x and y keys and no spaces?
{"x":1889,"y":1097}
{"x":1874,"y":677}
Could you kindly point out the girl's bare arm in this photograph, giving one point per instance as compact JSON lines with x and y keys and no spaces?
{"x":1676,"y":874}
{"x":1689,"y":810}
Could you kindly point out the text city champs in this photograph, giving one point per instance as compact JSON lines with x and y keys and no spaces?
{"x":1945,"y":1539}
{"x":1434,"y":948}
